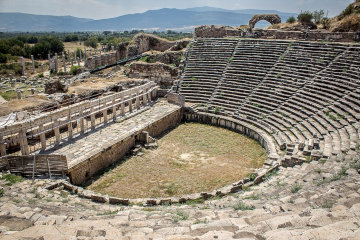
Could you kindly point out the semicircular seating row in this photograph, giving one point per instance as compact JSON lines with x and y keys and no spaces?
{"x":306,"y":95}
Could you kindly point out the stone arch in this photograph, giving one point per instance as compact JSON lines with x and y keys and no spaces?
{"x":271,"y":18}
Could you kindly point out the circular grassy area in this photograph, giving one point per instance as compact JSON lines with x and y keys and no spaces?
{"x":191,"y":158}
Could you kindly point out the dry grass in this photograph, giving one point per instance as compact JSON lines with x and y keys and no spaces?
{"x":23,"y":104}
{"x":191,"y":158}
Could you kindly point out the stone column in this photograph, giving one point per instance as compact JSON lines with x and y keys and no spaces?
{"x":144,"y":98}
{"x":18,"y":94}
{"x":24,"y":147}
{"x":49,"y":57}
{"x":2,"y":146}
{"x":130,"y":104}
{"x":82,"y":123}
{"x":32,"y":91}
{"x":92,"y":118}
{"x":64,"y":63}
{"x":105,"y":113}
{"x":57,"y":133}
{"x":78,"y":61}
{"x":75,"y":55}
{"x":42,"y":137}
{"x":137,"y":100}
{"x":22,"y":62}
{"x":122,"y":106}
{"x":71,"y":61}
{"x":112,"y":48}
{"x":56,"y":62}
{"x":33,"y":63}
{"x":80,"y":53}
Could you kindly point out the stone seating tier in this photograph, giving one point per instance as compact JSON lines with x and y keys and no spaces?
{"x":295,"y":91}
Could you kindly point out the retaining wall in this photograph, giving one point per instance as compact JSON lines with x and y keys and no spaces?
{"x":88,"y":168}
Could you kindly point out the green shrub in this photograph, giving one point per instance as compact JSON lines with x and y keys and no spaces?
{"x":296,"y":187}
{"x":91,"y":42}
{"x":147,"y":59}
{"x":74,"y":70}
{"x":305,"y":18}
{"x":291,"y":19}
{"x":217,"y":110}
{"x":252,"y":176}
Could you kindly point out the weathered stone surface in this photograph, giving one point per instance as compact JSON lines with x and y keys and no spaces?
{"x":271,"y":18}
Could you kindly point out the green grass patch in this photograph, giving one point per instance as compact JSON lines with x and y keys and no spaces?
{"x":295,"y":187}
{"x":240,"y":206}
{"x":12,"y":179}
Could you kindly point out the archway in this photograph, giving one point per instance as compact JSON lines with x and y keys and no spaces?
{"x":271,"y":18}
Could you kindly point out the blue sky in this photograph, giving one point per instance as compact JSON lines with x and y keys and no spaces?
{"x":98,"y":9}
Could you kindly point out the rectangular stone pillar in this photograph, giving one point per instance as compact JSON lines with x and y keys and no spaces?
{"x":130,"y":105}
{"x":71,"y":61}
{"x":137,"y":100}
{"x":2,"y":146}
{"x":18,"y":94}
{"x":92,"y":118}
{"x":24,"y":147}
{"x":78,"y":61}
{"x":64,"y":63}
{"x":56,"y":62}
{"x":33,"y":63}
{"x":105,"y":113}
{"x":145,"y":98}
{"x":57,"y":133}
{"x":122,"y":106}
{"x":22,"y":62}
{"x":149,"y":96}
{"x":114,"y":109}
{"x":42,"y":137}
{"x":82,"y":122}
{"x":49,"y":58}
{"x":70,"y":129}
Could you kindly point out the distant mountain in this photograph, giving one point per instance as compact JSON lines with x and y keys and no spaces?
{"x":31,"y":22}
{"x":162,"y":19}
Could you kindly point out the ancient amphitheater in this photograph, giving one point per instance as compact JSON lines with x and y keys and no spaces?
{"x":299,"y":98}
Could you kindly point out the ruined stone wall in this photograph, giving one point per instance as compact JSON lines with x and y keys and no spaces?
{"x":84,"y":171}
{"x":222,"y":31}
{"x":162,"y":74}
{"x":145,"y":42}
{"x":55,"y":86}
{"x":102,"y":60}
{"x":168,"y":57}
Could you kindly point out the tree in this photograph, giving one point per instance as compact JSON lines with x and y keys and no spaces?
{"x":291,"y":19}
{"x":318,"y":16}
{"x":3,"y":58}
{"x":91,"y":42}
{"x":305,"y":18}
{"x":326,"y":22}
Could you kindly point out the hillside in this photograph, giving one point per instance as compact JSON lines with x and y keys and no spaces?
{"x":162,"y":19}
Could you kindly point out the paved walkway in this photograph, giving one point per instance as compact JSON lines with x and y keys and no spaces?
{"x":83,"y":147}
